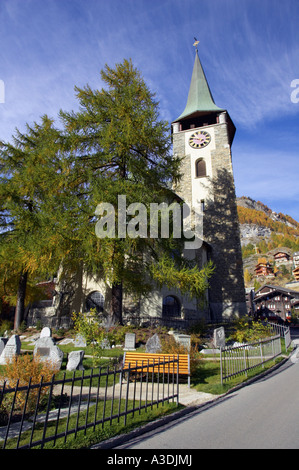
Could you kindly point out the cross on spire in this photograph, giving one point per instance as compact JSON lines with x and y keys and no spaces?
{"x":195,"y":44}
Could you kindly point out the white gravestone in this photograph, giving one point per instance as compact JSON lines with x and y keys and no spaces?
{"x":80,"y":341}
{"x":153,"y":344}
{"x":3,"y":342}
{"x":12,"y":348}
{"x":184,"y":340}
{"x":46,"y":332}
{"x":130,"y":342}
{"x":219,"y":337}
{"x":46,"y":349}
{"x":75,"y":359}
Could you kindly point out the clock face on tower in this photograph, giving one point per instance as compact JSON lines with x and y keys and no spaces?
{"x":199,"y":139}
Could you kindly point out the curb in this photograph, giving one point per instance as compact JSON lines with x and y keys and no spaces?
{"x":123,"y":438}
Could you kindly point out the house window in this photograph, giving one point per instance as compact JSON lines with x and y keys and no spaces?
{"x":200,"y":168}
{"x":171,"y":307}
{"x":95,"y":300}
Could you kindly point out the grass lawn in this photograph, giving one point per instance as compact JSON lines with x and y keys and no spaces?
{"x":94,"y":434}
{"x":207,"y":377}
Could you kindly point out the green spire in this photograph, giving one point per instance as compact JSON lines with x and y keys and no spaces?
{"x":200,"y":98}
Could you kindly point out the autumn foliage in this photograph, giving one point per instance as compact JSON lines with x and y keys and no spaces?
{"x":282,"y":234}
{"x":171,"y":346}
{"x":22,"y":370}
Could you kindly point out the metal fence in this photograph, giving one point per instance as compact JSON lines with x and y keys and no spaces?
{"x":240,"y":359}
{"x":283,"y":331}
{"x":39,"y":413}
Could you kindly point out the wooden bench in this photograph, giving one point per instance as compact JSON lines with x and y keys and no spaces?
{"x":136,"y":360}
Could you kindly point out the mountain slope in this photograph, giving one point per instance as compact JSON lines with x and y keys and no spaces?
{"x":265,"y":229}
{"x":264,"y":233}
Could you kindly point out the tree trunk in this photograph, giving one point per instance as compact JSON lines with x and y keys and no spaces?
{"x":20,"y":305}
{"x":116,"y":302}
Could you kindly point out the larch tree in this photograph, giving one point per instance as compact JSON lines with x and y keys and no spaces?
{"x":31,"y":173}
{"x":122,"y":149}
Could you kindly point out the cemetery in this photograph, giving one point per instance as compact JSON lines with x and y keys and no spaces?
{"x":124,"y":369}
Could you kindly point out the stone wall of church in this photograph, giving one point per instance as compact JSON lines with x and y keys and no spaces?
{"x":222,"y":232}
{"x":184,"y":188}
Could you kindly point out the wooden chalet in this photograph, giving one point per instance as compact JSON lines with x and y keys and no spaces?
{"x":264,"y":269}
{"x":282,"y":257}
{"x":275,"y":302}
{"x":296,"y":273}
{"x":296,"y":259}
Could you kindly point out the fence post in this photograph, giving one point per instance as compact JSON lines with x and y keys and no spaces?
{"x":245,"y":362}
{"x":261,"y":349}
{"x":177,"y":380}
{"x":221,"y":369}
{"x":47,"y":412}
{"x":127,"y":395}
{"x":11,"y":413}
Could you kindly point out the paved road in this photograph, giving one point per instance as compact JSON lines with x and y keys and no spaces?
{"x":263,"y":415}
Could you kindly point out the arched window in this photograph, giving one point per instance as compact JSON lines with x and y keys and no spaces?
{"x":95,"y":300}
{"x":200,"y":168}
{"x":171,"y":307}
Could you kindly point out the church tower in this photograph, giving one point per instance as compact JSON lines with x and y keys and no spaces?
{"x":202,"y":136}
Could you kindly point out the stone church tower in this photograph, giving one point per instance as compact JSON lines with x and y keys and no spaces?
{"x":203,"y":136}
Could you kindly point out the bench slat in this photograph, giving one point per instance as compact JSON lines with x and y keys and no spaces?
{"x":137,"y":360}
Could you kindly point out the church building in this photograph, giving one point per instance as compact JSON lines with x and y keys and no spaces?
{"x":202,"y":136}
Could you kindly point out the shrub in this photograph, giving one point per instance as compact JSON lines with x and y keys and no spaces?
{"x":22,"y":368}
{"x":248,"y":331}
{"x":88,"y":325}
{"x":23,"y":327}
{"x":171,"y":346}
{"x":5,"y":325}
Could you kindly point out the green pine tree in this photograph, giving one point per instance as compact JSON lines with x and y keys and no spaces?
{"x":122,"y":148}
{"x":30,"y":174}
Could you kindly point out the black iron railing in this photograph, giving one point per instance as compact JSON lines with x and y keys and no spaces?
{"x":35,"y":414}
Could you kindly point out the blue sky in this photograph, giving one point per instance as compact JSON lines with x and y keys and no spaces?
{"x":249,"y":50}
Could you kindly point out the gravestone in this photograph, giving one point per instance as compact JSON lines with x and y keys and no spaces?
{"x":75,"y":359}
{"x":79,"y":341}
{"x":209,"y":351}
{"x":12,"y":348}
{"x":219,"y":337}
{"x":3,"y":342}
{"x":46,"y":332}
{"x":105,"y":344}
{"x":43,"y":343}
{"x":184,"y":340}
{"x":153,"y":344}
{"x":130,"y":342}
{"x":66,"y":341}
{"x":46,"y":349}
